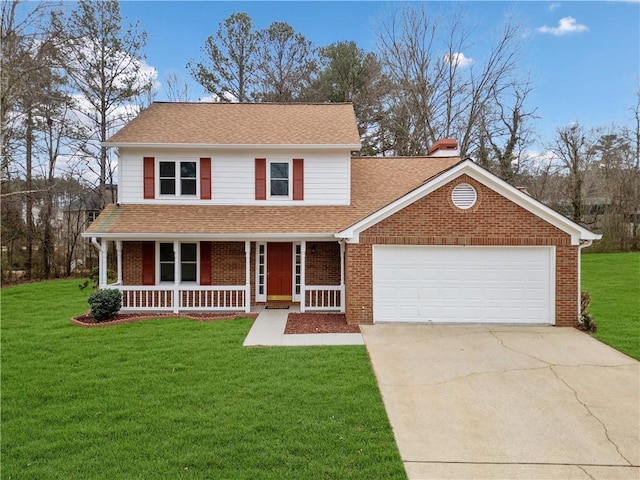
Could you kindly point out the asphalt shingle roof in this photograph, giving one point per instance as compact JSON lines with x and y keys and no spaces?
{"x":242,"y":124}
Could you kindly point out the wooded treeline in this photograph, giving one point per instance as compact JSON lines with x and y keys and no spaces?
{"x":72,"y":74}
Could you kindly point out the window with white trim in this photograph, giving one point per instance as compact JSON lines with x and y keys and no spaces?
{"x":279,"y":179}
{"x":261,"y":266}
{"x":188,"y":262}
{"x":298,"y":268}
{"x":178,"y":178}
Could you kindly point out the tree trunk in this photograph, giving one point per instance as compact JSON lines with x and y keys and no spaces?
{"x":29,"y":195}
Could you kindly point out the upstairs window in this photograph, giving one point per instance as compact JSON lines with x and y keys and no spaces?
{"x":178,"y":178}
{"x":279,"y":179}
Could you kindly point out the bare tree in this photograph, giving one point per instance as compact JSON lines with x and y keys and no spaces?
{"x":505,"y":131}
{"x":230,"y":60}
{"x":287,"y":63}
{"x":104,"y":62}
{"x":573,"y":147}
{"x":437,"y":90}
{"x":176,"y":89}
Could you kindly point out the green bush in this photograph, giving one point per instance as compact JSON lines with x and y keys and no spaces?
{"x":105,"y":304}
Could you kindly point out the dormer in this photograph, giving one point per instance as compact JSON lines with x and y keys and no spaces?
{"x":237,"y":154}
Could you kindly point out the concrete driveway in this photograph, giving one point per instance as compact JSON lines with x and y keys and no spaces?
{"x":510,"y":402}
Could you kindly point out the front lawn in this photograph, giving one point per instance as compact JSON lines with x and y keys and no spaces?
{"x":613,"y":279}
{"x":179,"y":399}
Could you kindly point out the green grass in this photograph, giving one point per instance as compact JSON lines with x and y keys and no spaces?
{"x":179,"y":399}
{"x":613,"y":279}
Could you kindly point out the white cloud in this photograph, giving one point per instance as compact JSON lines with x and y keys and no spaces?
{"x":458,"y":59}
{"x":554,"y":6}
{"x":214,"y":98}
{"x":566,"y":25}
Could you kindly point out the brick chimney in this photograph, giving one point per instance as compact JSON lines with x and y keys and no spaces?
{"x":445,"y":147}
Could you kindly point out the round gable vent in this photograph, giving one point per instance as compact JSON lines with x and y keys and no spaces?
{"x":464,"y":196}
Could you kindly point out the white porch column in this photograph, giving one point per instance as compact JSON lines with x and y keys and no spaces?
{"x":177,"y":274}
{"x":119,"y":259}
{"x":102,"y":264}
{"x":342,"y":289}
{"x":247,"y":276}
{"x":303,"y":283}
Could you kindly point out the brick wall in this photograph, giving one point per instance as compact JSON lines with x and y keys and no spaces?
{"x":434,"y":220}
{"x":227,"y":263}
{"x":323,"y":266}
{"x":132,"y":263}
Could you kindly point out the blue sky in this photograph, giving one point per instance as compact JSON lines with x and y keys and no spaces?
{"x":583,"y":58}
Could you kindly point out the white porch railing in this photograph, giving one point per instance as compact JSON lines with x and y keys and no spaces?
{"x":323,"y":297}
{"x":176,"y":298}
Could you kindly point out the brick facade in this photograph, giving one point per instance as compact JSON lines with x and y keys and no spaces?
{"x":132,"y":263}
{"x":227,"y":263}
{"x":323,"y":266}
{"x":434,"y":220}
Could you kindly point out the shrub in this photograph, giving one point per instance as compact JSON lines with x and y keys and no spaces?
{"x":105,"y":304}
{"x":585,"y":322}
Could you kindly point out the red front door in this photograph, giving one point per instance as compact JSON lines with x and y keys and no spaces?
{"x":279,"y":271}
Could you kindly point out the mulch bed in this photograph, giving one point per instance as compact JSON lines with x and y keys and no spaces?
{"x":319,"y":323}
{"x":87,"y":319}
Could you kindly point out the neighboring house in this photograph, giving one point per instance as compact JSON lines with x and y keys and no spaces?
{"x":224,"y":206}
{"x":79,"y":213}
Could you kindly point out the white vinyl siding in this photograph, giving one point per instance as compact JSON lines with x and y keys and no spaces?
{"x":326,"y":176}
{"x":424,"y":284}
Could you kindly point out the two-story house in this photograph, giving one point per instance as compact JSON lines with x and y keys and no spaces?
{"x":222,"y":206}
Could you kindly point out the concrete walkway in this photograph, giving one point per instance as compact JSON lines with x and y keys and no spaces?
{"x":483,"y":402}
{"x":268,"y":331}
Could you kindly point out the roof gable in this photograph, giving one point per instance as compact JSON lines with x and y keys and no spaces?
{"x":241,"y":124}
{"x":491,"y":181}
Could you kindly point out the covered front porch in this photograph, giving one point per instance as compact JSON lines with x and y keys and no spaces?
{"x":206,"y":275}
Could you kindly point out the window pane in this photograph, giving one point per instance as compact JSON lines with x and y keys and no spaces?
{"x":188,"y":252}
{"x":166,"y":252}
{"x":188,"y":272}
{"x":167,"y":272}
{"x":279,"y":170}
{"x":167,"y":169}
{"x":188,"y":187}
{"x":167,"y":186}
{"x":279,"y":187}
{"x":188,"y":169}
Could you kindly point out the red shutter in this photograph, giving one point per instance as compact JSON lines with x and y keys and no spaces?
{"x":261,"y":178}
{"x":205,"y":179}
{"x":298,"y":179}
{"x":149,"y":177}
{"x":205,"y":263}
{"x":148,"y":263}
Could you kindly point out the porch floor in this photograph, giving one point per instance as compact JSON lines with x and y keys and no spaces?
{"x":268,"y":331}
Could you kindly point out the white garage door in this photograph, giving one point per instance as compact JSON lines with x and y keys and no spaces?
{"x":463,"y":284}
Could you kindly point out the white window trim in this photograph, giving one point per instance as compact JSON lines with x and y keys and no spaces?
{"x":261,"y":297}
{"x":177,"y":273}
{"x":178,"y":193}
{"x":289,"y":196}
{"x":296,"y":296}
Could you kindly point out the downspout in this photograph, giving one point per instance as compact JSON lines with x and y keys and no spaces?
{"x":98,"y":246}
{"x":587,"y":243}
